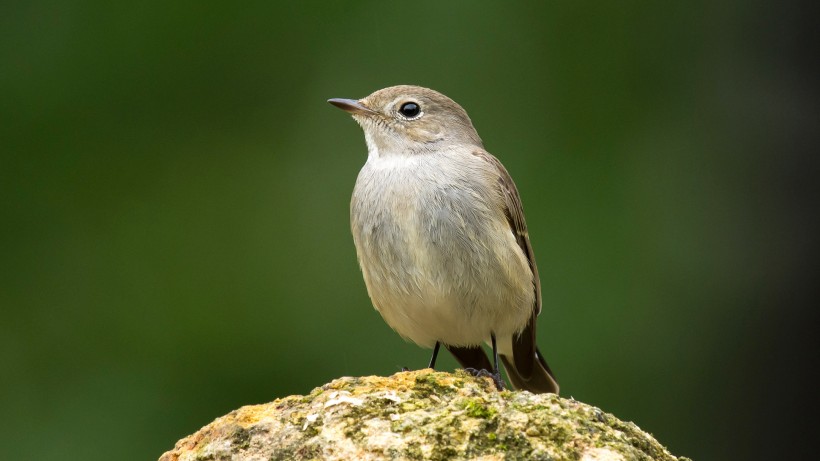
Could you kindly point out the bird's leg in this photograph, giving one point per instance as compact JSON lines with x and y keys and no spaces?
{"x":496,"y":375}
{"x":495,"y":354}
{"x":433,"y":358}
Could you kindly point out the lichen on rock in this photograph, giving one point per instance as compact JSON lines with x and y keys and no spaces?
{"x":418,"y":415}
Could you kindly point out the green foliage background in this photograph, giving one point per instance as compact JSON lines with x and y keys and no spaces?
{"x":175,"y":193}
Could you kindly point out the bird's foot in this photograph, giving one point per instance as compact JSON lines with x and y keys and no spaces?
{"x":482,"y":373}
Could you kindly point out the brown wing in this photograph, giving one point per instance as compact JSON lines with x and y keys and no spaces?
{"x":515,"y":216}
{"x":524,"y":344}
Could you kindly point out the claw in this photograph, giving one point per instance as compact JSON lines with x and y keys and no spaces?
{"x":482,"y":373}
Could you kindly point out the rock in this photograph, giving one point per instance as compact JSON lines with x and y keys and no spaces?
{"x":419,"y":415}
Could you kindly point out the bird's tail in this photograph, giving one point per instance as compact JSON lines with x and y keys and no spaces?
{"x":539,"y":379}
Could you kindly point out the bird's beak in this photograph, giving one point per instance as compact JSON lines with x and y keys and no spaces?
{"x":351,"y":105}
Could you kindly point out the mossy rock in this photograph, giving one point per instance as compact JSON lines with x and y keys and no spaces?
{"x":419,"y":415}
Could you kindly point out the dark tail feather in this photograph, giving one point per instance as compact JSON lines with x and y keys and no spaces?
{"x":540,"y":380}
{"x":471,"y":357}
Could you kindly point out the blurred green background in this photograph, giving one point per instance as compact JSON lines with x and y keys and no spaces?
{"x":175,"y":191}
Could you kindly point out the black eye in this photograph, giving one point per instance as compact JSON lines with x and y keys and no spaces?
{"x":410,"y":109}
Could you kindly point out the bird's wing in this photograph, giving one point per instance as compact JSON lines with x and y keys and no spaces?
{"x":514,"y":212}
{"x":524,"y":344}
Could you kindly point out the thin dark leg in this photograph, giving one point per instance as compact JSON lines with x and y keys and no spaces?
{"x":495,"y":355}
{"x":435,"y":354}
{"x":496,"y":374}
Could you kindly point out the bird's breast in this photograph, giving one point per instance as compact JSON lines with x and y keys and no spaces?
{"x":414,"y":219}
{"x":435,"y":249}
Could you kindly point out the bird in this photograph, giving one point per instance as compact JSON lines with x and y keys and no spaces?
{"x":441,"y":239}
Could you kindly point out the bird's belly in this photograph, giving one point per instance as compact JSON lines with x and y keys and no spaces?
{"x":445,"y":273}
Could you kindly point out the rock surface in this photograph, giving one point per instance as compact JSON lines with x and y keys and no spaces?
{"x":418,"y":415}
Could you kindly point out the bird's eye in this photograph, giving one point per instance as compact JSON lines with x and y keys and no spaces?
{"x":410,"y":109}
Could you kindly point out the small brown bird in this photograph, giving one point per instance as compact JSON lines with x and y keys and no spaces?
{"x":441,"y":238}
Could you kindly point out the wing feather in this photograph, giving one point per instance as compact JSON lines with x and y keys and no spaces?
{"x":524,"y":344}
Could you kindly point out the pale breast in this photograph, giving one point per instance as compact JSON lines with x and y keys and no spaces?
{"x":438,"y":258}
